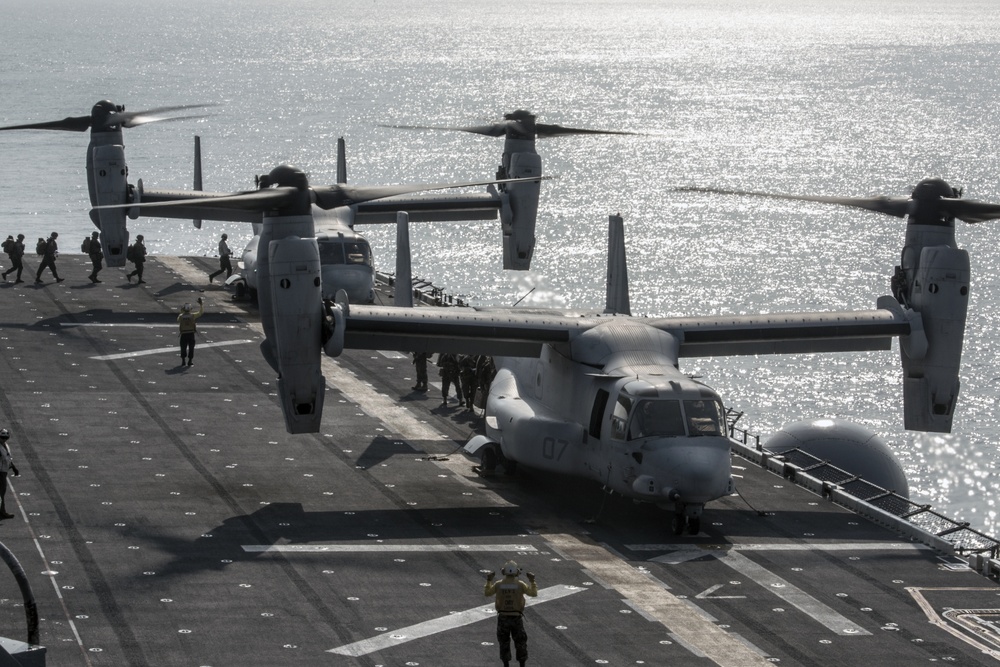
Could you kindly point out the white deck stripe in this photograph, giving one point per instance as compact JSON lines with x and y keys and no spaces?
{"x":164,"y":350}
{"x":793,"y":595}
{"x":785,"y":590}
{"x":384,"y":548}
{"x":147,"y":325}
{"x":788,"y":546}
{"x":695,"y":631}
{"x":442,"y":624}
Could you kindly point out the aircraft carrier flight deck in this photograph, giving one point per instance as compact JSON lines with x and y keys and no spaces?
{"x":163,"y":516}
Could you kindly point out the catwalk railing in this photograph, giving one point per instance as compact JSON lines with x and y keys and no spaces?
{"x":912,"y":520}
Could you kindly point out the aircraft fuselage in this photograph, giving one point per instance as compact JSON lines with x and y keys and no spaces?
{"x":612,"y":407}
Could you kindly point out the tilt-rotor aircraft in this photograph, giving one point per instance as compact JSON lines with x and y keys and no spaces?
{"x":346,"y":255}
{"x":106,"y":168}
{"x":297,"y":324}
{"x":601,"y":396}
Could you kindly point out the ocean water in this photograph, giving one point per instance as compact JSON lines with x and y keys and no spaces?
{"x":833,"y":98}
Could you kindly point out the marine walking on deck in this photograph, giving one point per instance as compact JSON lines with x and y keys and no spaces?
{"x":136,"y":254}
{"x":49,"y":250}
{"x":15,"y":252}
{"x":6,"y":466}
{"x":225,"y":265}
{"x":92,"y":247}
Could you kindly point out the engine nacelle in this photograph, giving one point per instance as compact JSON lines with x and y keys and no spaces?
{"x":940,"y":293}
{"x":297,"y":307}
{"x":521,"y":200}
{"x":110,"y":187}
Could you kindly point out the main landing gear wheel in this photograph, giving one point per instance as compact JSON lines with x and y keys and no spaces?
{"x":680,"y":522}
{"x":488,"y":461}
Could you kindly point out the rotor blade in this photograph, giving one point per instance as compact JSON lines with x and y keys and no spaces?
{"x":136,"y":118}
{"x":252,"y":200}
{"x":332,"y":196}
{"x":544,"y":131}
{"x":494,"y":130}
{"x":69,"y":124}
{"x":895,"y":206}
{"x":970,"y":210}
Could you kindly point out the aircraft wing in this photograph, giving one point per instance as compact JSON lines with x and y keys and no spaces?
{"x":788,"y":333}
{"x":429,"y":208}
{"x":513,"y":332}
{"x":421,"y":208}
{"x":197,"y":205}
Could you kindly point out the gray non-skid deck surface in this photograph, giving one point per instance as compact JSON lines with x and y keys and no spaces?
{"x":164,"y":517}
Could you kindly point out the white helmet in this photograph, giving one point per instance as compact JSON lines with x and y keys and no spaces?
{"x":510,"y":569}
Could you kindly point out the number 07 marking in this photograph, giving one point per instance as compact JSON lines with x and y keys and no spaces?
{"x":554,"y":448}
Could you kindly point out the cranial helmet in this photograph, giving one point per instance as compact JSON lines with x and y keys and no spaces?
{"x":4,"y":433}
{"x":510,"y":569}
{"x":186,"y":307}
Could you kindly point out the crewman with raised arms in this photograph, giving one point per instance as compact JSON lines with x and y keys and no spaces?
{"x":510,"y":592}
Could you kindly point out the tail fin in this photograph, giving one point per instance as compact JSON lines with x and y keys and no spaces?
{"x":197,"y":173}
{"x":617,"y":297}
{"x":341,"y":161}
{"x":403,"y":295}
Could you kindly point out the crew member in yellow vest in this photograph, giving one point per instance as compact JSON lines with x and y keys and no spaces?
{"x":187,"y":322}
{"x":510,"y":592}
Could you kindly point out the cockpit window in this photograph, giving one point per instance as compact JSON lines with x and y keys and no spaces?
{"x":331,"y":252}
{"x":358,"y":253}
{"x":349,"y":252}
{"x":704,"y":417}
{"x":619,"y":417}
{"x":656,"y":418}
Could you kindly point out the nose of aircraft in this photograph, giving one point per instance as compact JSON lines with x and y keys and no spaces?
{"x":689,"y":470}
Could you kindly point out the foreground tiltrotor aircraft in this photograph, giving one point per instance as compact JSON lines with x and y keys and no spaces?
{"x":601,"y":396}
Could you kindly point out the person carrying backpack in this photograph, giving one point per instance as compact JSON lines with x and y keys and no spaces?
{"x":15,"y":251}
{"x":138,"y":257}
{"x":49,"y":255}
{"x":93,"y":246}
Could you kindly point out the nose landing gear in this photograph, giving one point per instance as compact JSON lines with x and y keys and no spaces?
{"x":683,"y":521}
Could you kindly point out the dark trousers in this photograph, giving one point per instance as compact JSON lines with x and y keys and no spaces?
{"x":187,"y":346}
{"x":446,"y":380}
{"x":16,"y":265}
{"x":97,"y":264}
{"x":512,"y":627}
{"x":50,"y":263}
{"x":224,"y":265}
{"x":138,"y":270}
{"x":3,"y":493}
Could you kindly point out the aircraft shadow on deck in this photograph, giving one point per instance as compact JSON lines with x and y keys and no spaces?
{"x":290,"y":524}
{"x":96,"y":316}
